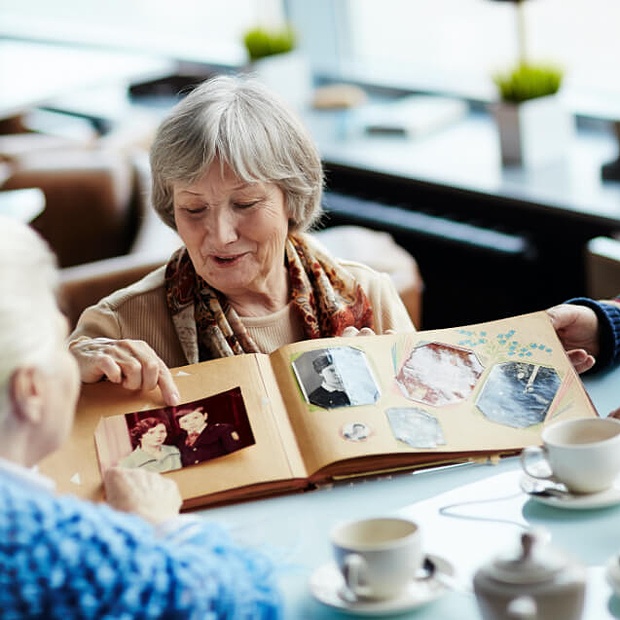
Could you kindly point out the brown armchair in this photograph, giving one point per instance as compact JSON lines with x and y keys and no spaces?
{"x":93,"y":183}
{"x":92,"y":206}
{"x":84,"y":285}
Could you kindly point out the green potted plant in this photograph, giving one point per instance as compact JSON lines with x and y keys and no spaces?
{"x":260,"y":42}
{"x":528,"y":81}
{"x":533,"y":126}
{"x":274,"y":58}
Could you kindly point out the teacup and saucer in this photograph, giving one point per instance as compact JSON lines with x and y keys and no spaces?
{"x":379,"y":568}
{"x":577,"y":466}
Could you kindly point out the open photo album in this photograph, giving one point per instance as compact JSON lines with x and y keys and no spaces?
{"x":322,"y":410}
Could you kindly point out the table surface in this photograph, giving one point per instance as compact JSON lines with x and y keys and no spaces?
{"x":34,"y":74}
{"x":295,"y":527}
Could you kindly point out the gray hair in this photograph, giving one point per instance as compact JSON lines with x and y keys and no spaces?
{"x":239,"y":122}
{"x":28,"y":303}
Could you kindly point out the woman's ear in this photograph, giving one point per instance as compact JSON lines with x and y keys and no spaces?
{"x":27,"y":394}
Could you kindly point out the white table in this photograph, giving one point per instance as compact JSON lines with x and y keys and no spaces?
{"x":295,"y":527}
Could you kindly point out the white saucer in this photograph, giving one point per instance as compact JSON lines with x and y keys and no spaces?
{"x":326,"y":582}
{"x":572,"y":501}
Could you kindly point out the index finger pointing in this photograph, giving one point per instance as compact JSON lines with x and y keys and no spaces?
{"x":168,"y":387}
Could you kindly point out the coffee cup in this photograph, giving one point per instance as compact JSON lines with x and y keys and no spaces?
{"x":583,"y":454}
{"x":377,"y":557}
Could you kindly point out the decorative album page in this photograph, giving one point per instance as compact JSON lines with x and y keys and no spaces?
{"x":484,"y":388}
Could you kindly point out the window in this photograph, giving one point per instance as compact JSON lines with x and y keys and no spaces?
{"x":454,"y":46}
{"x":448,"y":46}
{"x":192,"y":30}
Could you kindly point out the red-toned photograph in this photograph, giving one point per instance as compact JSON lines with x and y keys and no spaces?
{"x":170,"y":438}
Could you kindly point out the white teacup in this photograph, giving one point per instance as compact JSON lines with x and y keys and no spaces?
{"x":583,"y":454}
{"x":378,"y":557}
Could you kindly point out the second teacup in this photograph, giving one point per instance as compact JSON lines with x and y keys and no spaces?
{"x":583,"y":454}
{"x":378,"y":557}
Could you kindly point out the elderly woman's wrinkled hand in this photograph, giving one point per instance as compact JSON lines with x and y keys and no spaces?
{"x":577,"y":329}
{"x":142,"y":492}
{"x":130,"y":363}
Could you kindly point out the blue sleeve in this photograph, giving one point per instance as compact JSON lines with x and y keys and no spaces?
{"x":609,"y":330}
{"x":63,"y":558}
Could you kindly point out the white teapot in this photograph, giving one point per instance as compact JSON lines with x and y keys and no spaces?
{"x":541,"y":583}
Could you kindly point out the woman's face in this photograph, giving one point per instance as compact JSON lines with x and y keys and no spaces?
{"x":193,"y":422}
{"x":235,"y":232}
{"x":154,"y":437}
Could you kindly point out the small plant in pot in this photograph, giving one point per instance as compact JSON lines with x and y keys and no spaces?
{"x":533,"y":126}
{"x":528,"y":81}
{"x":261,"y":42}
{"x":274,"y":58}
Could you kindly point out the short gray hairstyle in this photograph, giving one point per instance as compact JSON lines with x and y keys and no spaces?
{"x":238,"y":121}
{"x":28,"y":302}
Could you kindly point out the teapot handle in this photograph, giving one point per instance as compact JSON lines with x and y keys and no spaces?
{"x":522,"y":608}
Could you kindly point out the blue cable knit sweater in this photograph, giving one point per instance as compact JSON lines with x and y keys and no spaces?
{"x":64,"y":558}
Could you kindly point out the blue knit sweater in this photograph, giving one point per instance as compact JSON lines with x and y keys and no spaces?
{"x":64,"y":558}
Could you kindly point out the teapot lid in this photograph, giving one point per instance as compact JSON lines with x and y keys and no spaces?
{"x":537,"y":561}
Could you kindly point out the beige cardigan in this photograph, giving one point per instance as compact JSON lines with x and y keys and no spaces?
{"x":139,"y":312}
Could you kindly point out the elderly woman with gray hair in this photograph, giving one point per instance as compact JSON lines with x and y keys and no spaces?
{"x":66,"y":558}
{"x":237,"y":176}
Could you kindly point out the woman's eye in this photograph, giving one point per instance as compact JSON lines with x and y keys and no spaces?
{"x":245,"y":205}
{"x":194,"y":210}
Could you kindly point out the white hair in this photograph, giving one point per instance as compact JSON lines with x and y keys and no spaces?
{"x":28,"y":303}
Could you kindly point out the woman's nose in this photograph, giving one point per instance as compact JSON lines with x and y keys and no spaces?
{"x":222,"y":228}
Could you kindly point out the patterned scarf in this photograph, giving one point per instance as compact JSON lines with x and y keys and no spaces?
{"x":326,"y":297}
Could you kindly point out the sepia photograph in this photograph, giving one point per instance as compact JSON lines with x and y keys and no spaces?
{"x":170,"y":438}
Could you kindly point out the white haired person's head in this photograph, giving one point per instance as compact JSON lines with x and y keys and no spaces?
{"x":239,"y":122}
{"x":29,"y":315}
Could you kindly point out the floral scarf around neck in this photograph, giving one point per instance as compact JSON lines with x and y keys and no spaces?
{"x":325,"y":295}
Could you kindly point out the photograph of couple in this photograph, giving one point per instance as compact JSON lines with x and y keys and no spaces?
{"x":170,"y":438}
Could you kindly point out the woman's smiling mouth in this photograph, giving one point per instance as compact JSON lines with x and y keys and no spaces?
{"x":227,"y":260}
